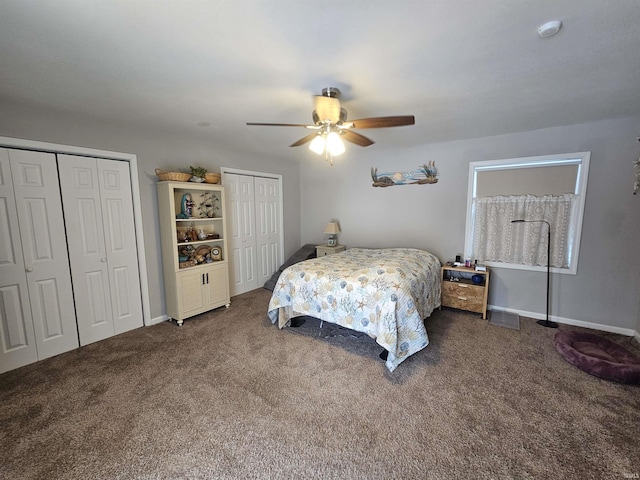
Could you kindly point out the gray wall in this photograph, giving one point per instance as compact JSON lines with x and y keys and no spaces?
{"x":153,"y":150}
{"x":606,"y":289}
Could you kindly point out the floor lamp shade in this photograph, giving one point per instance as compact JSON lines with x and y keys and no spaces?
{"x":546,"y":322}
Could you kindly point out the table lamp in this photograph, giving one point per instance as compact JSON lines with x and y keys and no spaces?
{"x":332,"y":230}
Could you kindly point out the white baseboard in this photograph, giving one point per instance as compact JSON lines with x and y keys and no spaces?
{"x":570,"y":321}
{"x":156,"y":320}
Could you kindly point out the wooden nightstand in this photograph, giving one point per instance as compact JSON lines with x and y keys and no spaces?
{"x":464,"y":294}
{"x":322,"y":250}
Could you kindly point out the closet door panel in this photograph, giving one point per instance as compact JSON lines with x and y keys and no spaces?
{"x":97,"y":321}
{"x":17,"y":339}
{"x":247,"y":237}
{"x":16,"y":334}
{"x":52,"y":327}
{"x":122,"y":254}
{"x":248,"y":234}
{"x":83,"y":214}
{"x":268,"y":238}
{"x":242,"y":244}
{"x":243,"y":253}
{"x":42,"y":231}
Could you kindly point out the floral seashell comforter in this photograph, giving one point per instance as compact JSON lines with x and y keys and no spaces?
{"x":386,"y":293}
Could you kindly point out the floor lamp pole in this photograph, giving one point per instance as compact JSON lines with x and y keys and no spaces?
{"x":546,"y":322}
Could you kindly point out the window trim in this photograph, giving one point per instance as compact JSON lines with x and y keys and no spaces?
{"x":578,"y":158}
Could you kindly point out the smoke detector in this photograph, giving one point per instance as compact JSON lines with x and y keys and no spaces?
{"x":549,"y":28}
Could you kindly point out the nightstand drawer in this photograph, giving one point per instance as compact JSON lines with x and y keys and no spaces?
{"x":463,"y":296}
{"x":322,"y":250}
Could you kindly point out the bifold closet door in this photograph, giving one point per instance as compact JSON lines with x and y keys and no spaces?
{"x":17,"y":335}
{"x":243,"y":244}
{"x":268,"y":238}
{"x":39,"y":318}
{"x":254,"y":211}
{"x":101,"y":236}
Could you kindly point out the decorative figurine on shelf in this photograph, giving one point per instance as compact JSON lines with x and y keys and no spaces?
{"x":192,"y":234}
{"x":186,"y":253}
{"x":187,"y":206}
{"x":202,"y":235}
{"x":182,"y":236}
{"x":208,"y":205}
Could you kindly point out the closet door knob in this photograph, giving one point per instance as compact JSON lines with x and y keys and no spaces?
{"x":103,"y":260}
{"x":29,"y":269}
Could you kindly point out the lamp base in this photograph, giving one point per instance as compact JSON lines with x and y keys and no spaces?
{"x":547,"y":323}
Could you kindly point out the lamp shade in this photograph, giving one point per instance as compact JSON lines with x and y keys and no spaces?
{"x":327,"y":143}
{"x":334,"y":144}
{"x":327,"y":108}
{"x":332,"y":228}
{"x":317,"y":145}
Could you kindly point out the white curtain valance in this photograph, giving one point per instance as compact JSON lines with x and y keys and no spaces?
{"x":496,"y":239}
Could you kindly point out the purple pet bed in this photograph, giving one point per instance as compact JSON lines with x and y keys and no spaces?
{"x":598,"y":356}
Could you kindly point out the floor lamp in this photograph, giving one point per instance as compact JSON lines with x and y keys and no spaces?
{"x":546,"y":322}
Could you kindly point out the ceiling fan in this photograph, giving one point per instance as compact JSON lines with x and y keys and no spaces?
{"x":330,"y":126}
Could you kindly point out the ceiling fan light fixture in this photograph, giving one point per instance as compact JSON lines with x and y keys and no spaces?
{"x":317,"y":145}
{"x":332,"y":128}
{"x":327,"y":108}
{"x":335,"y":146}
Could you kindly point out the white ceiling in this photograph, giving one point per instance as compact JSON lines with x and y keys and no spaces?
{"x":203,"y":68}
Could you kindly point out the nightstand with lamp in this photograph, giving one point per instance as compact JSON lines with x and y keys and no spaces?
{"x":332,"y":246}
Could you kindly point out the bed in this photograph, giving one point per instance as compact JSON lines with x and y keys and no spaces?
{"x":385,"y":293}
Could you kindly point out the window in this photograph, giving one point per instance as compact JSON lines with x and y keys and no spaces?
{"x":548,"y":188}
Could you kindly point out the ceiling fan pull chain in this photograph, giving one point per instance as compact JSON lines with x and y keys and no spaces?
{"x":328,"y":157}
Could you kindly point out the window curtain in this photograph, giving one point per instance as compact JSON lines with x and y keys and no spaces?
{"x":496,"y":239}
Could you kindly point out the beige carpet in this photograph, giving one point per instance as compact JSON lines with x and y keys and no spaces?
{"x":228,"y":395}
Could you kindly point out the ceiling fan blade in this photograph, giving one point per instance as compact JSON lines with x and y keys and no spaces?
{"x":383,"y":122}
{"x":327,"y":108}
{"x":304,"y":140}
{"x":356,"y":138}
{"x":282,"y":124}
